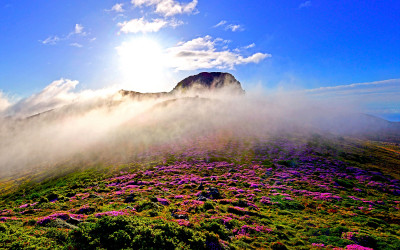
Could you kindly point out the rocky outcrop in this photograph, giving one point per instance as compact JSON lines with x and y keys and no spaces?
{"x":209,"y":81}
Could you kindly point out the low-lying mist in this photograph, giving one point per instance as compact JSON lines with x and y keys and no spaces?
{"x":112,"y":129}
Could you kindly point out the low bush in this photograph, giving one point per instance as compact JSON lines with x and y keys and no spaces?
{"x":138,"y":233}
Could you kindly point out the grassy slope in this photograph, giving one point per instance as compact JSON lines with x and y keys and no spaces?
{"x":224,"y":193}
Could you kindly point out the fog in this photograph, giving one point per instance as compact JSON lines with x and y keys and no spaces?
{"x":58,"y":127}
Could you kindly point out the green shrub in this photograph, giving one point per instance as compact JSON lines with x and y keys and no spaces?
{"x":215,"y":227}
{"x":375,"y":223}
{"x":43,"y":200}
{"x":335,"y":231}
{"x":278,"y":246}
{"x":147,"y":205}
{"x":138,"y":233}
{"x":34,"y":196}
{"x":171,"y":159}
{"x":52,"y":196}
{"x":208,"y":205}
{"x":290,"y":205}
{"x":3,"y":228}
{"x":59,"y":235}
{"x":266,"y":163}
{"x":344,"y":183}
{"x":331,"y":240}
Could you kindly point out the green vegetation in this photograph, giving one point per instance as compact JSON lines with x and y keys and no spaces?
{"x":277,"y":194}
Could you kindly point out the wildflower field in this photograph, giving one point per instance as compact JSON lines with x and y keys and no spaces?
{"x":216,"y":192}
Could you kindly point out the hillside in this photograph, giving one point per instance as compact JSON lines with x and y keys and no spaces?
{"x":224,"y":192}
{"x":169,"y":171}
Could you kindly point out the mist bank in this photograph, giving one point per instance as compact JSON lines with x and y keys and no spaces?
{"x":119,"y":128}
{"x":60,"y":127}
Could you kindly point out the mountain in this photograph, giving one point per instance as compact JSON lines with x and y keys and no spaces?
{"x":204,"y":81}
{"x":210,"y":81}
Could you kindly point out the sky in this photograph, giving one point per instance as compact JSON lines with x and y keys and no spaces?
{"x":344,"y":50}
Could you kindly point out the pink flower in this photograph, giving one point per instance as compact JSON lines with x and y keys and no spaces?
{"x":7,"y":218}
{"x":357,"y":247}
{"x":183,"y":222}
{"x":163,"y":201}
{"x":110,"y":213}
{"x":24,"y":206}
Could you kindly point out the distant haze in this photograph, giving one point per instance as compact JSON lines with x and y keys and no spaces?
{"x":106,"y":126}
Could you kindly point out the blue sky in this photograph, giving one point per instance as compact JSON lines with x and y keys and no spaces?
{"x":132,"y":44}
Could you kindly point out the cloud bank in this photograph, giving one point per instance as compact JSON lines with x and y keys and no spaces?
{"x":57,"y":94}
{"x":203,"y":53}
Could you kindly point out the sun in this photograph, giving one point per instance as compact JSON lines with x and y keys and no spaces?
{"x":142,"y":65}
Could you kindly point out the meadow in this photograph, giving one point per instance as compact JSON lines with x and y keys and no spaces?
{"x":218,"y":191}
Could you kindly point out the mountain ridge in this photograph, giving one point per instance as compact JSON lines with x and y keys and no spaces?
{"x":204,"y":81}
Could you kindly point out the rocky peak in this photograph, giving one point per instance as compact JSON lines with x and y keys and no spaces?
{"x":209,"y":81}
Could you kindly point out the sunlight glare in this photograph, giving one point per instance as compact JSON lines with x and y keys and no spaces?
{"x":142,"y":65}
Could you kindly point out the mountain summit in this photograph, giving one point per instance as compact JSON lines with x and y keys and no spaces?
{"x":209,"y":81}
{"x":204,"y":81}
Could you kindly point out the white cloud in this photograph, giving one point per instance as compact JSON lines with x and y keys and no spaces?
{"x":168,"y":7}
{"x":52,"y":96}
{"x":51,"y":40}
{"x":358,"y":86}
{"x":78,"y":31}
{"x":371,"y":97}
{"x":78,"y":45}
{"x":227,"y":26}
{"x":250,"y":46}
{"x":234,"y":27}
{"x":78,"y":28}
{"x":141,"y":25}
{"x":255,"y":58}
{"x":221,"y":23}
{"x":202,"y":53}
{"x":305,"y":4}
{"x":175,"y":23}
{"x":56,"y":94}
{"x":118,"y":7}
{"x":4,"y":102}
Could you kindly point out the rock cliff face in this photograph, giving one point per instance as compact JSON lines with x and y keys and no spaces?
{"x":209,"y":81}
